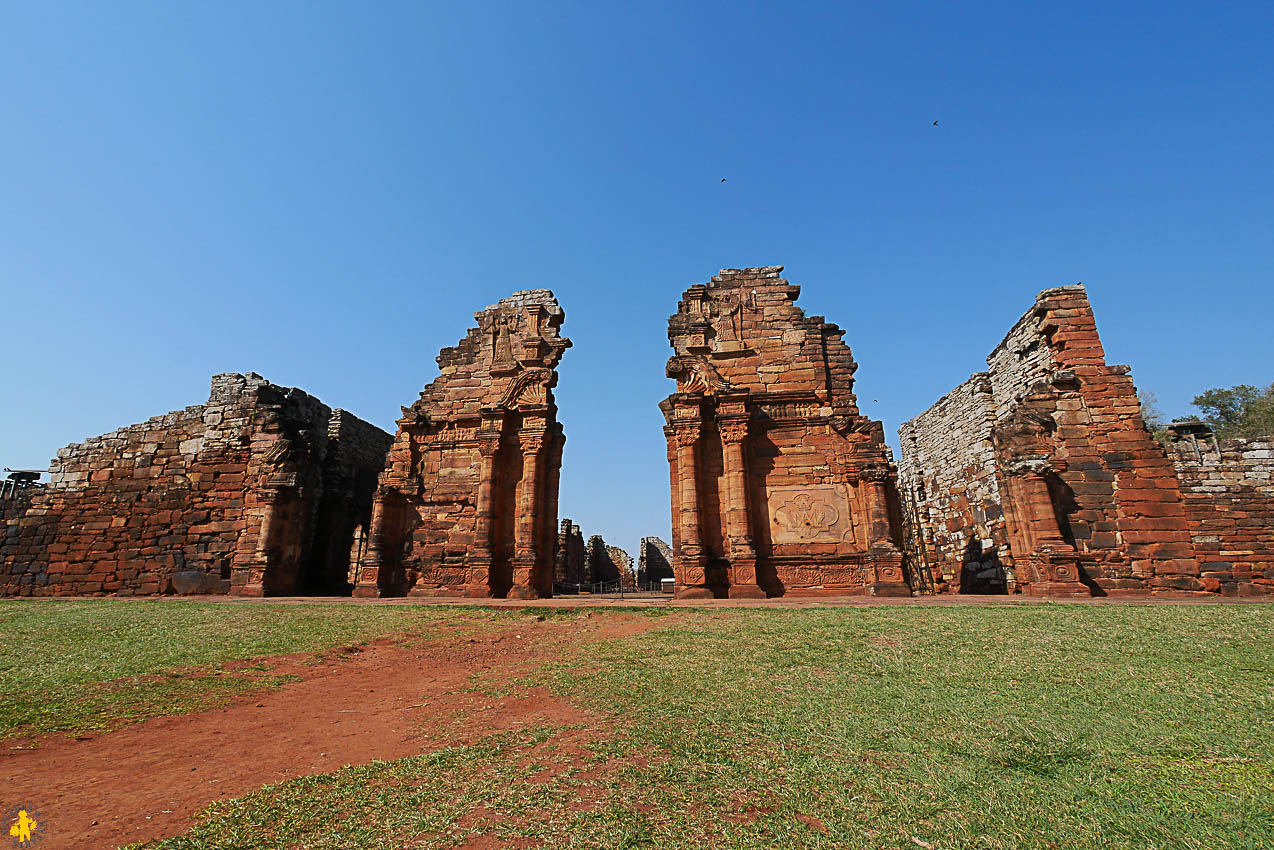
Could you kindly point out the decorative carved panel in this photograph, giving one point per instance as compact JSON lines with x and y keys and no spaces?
{"x":809,"y":514}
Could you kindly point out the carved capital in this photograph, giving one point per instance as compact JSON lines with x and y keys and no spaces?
{"x":733,"y":430}
{"x":1027,"y":466}
{"x":488,"y":444}
{"x":876,"y":472}
{"x":685,"y":435}
{"x":531,"y":441}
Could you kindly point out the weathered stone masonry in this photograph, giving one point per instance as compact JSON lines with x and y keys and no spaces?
{"x":1228,"y":486}
{"x":467,"y":504}
{"x":1039,"y":476}
{"x":779,"y":484}
{"x":255,"y":492}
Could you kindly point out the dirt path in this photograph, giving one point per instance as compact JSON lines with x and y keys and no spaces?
{"x":383,"y":701}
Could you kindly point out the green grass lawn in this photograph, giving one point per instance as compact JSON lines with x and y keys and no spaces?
{"x":86,"y":665}
{"x":950,"y":727}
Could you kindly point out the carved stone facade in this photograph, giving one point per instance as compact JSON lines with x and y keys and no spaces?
{"x":467,"y":504}
{"x":255,"y":492}
{"x":779,"y":484}
{"x":1039,"y":476}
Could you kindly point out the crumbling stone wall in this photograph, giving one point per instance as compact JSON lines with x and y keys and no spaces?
{"x":609,"y":563}
{"x":654,"y":560}
{"x":467,"y":504}
{"x":219,"y":497}
{"x":1228,"y":487}
{"x":779,"y":484}
{"x":571,"y":558}
{"x":1051,"y":437}
{"x":952,"y":475}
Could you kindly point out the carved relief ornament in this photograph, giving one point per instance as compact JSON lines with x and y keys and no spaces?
{"x":685,"y":435}
{"x":733,"y":430}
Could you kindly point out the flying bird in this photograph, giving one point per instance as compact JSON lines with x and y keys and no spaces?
{"x":935,"y":123}
{"x":722,"y":179}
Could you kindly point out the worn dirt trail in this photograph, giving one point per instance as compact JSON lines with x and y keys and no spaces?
{"x":380,"y":701}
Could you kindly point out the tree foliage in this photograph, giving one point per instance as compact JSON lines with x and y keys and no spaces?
{"x":1240,"y":411}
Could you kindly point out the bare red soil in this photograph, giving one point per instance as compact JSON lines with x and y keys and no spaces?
{"x":352,"y":705}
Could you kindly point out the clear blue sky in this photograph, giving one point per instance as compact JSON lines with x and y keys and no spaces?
{"x":325,"y":193}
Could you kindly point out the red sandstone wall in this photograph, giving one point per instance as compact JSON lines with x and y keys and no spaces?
{"x":175,"y":504}
{"x":1088,"y":497}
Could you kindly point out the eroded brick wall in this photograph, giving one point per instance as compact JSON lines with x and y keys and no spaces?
{"x":215,"y":497}
{"x":1229,"y":494}
{"x":1090,"y":502}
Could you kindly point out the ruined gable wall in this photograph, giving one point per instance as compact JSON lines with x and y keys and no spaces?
{"x":1228,"y":487}
{"x":654,"y":560}
{"x":1076,"y":470}
{"x":947,"y":472}
{"x":1127,"y":515}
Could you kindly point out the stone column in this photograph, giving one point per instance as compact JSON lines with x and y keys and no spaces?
{"x":546,"y":520}
{"x":690,"y":558}
{"x":373,"y":562}
{"x":878,"y":530}
{"x":1035,"y":504}
{"x":1045,"y":553}
{"x":254,"y":584}
{"x":478,"y":582}
{"x":524,"y":542}
{"x":734,"y":433}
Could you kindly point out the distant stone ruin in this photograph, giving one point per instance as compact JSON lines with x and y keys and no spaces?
{"x":654,"y":561}
{"x":257,"y":491}
{"x":467,"y":504}
{"x":1038,"y":476}
{"x":779,"y":484}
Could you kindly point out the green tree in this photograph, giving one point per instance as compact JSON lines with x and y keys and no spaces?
{"x":1240,"y":411}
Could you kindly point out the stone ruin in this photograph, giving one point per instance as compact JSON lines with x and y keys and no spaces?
{"x":609,"y":563}
{"x":1228,"y":489}
{"x":654,"y":561}
{"x":779,"y":484}
{"x":579,"y":564}
{"x":467,"y":503}
{"x":571,"y":558}
{"x":1038,"y":476}
{"x":257,"y":491}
